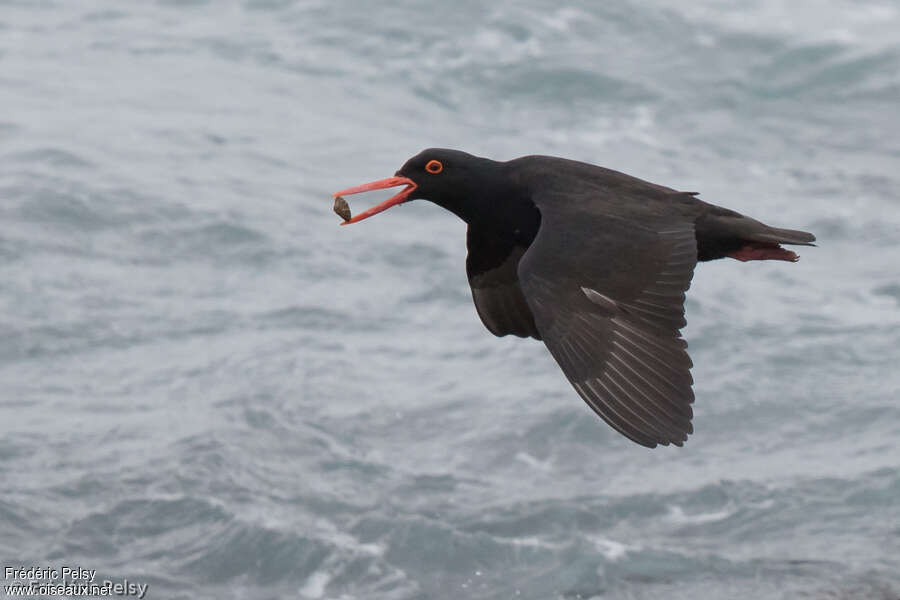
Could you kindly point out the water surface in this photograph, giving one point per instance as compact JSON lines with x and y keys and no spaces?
{"x":209,"y":386}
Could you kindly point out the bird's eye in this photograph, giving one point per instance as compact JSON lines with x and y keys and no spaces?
{"x":434,"y":166}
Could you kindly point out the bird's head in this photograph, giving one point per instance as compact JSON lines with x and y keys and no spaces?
{"x":455,"y":180}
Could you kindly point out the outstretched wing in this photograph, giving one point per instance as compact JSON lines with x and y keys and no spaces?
{"x":492,"y":267}
{"x":607,"y":295}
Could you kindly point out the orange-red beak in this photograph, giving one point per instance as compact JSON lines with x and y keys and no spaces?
{"x":381,"y":184}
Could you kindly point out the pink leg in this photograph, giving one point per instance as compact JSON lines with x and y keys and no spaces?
{"x":763,"y":251}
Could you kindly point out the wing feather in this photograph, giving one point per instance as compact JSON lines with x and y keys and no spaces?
{"x":493,"y":276}
{"x":610,"y":309}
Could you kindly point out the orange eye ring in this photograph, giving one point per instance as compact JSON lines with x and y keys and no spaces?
{"x":434,"y":167}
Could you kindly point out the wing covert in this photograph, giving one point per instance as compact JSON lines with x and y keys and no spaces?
{"x":492,"y":268}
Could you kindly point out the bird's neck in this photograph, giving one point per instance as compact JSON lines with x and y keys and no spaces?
{"x":504,"y":212}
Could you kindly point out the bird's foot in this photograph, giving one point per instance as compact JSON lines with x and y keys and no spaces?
{"x":763,"y":251}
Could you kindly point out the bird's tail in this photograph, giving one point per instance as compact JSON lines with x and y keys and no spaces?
{"x":783,"y":236}
{"x":743,"y":238}
{"x":763,"y":243}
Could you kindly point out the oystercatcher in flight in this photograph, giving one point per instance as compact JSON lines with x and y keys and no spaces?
{"x":593,"y":262}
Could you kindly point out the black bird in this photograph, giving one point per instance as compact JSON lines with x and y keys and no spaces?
{"x":593,"y":262}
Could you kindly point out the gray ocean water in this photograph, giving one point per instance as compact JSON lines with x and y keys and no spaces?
{"x":208,"y":386}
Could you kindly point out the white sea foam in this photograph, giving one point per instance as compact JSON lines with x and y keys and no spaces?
{"x":611,"y":549}
{"x":315,"y":585}
{"x":677,"y":514}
